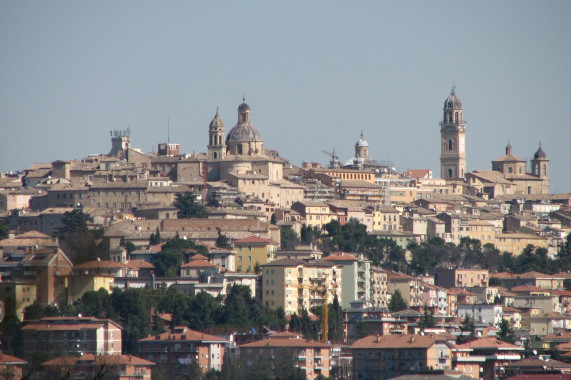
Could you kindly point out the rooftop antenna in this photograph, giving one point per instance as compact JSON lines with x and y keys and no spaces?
{"x":168,"y":129}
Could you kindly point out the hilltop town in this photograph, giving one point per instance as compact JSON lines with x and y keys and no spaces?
{"x":236,"y":263}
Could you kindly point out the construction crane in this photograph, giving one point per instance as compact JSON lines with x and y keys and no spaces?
{"x":324,"y":304}
{"x":334,"y":162}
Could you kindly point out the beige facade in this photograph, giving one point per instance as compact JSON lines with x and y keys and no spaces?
{"x":385,"y":357}
{"x":462,"y":278}
{"x":453,"y":139}
{"x":294,"y":284}
{"x":410,"y":288}
{"x":379,"y":288}
{"x":516,"y":242}
{"x":385,"y":218}
{"x":316,"y":214}
{"x":252,"y":251}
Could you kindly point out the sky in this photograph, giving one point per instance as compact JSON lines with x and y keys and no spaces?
{"x":315,"y":73}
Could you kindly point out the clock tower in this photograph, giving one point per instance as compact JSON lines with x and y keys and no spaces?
{"x":452,"y":139}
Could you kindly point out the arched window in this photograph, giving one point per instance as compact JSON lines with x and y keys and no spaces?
{"x":455,"y":117}
{"x":215,"y":155}
{"x":449,"y":144}
{"x":450,"y":173}
{"x":239,"y":146}
{"x":544,"y":169}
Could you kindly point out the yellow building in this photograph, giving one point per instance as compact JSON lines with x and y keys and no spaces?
{"x":71,"y":288}
{"x":295,"y":284}
{"x":385,"y":218}
{"x":316,"y":214}
{"x":516,"y":242}
{"x":16,"y":296}
{"x":253,"y":250}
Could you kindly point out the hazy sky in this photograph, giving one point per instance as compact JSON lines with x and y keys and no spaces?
{"x":315,"y":73}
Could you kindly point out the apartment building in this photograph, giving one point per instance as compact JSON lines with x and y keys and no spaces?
{"x":355,"y":276}
{"x":315,"y":214}
{"x":516,"y":242}
{"x":379,"y":288}
{"x":253,"y":250}
{"x":411,"y":288}
{"x":537,"y":279}
{"x":385,"y":218}
{"x":68,"y":336}
{"x":461,"y":278}
{"x":117,"y":367}
{"x":485,"y":357}
{"x":182,"y":346}
{"x":385,"y":357}
{"x":313,"y":357}
{"x":294,"y":284}
{"x":490,"y":314}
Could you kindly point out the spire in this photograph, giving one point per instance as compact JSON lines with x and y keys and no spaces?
{"x":508,"y":148}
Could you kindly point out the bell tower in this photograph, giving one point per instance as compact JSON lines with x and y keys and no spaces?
{"x":216,"y":141}
{"x":540,"y":169}
{"x":452,"y":139}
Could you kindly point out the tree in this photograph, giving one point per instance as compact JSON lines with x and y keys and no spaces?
{"x":168,"y":262}
{"x":222,"y":240}
{"x":189,"y":206}
{"x":397,"y":301}
{"x":506,"y":333}
{"x":427,"y":320}
{"x":289,"y":238}
{"x":467,"y":326}
{"x":274,"y":219}
{"x":158,"y":239}
{"x":11,"y":332}
{"x":4,"y":231}
{"x":130,"y":247}
{"x":336,"y":331}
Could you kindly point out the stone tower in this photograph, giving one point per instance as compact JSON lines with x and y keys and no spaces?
{"x":216,"y":139}
{"x":540,"y":169}
{"x":362,"y":148}
{"x":453,"y":139}
{"x":120,"y":142}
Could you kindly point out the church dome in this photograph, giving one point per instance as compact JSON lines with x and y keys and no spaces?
{"x":539,"y":154}
{"x":362,"y":142}
{"x":244,"y":132}
{"x":243,"y":106}
{"x":216,"y":122}
{"x":453,"y":102}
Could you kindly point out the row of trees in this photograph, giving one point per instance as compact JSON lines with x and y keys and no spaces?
{"x":132,"y":308}
{"x":430,"y":254}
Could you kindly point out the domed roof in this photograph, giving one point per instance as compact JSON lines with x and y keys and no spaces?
{"x":453,"y":102}
{"x":540,"y":153}
{"x":216,"y":122}
{"x":243,"y":106}
{"x":244,"y":132}
{"x":362,"y":141}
